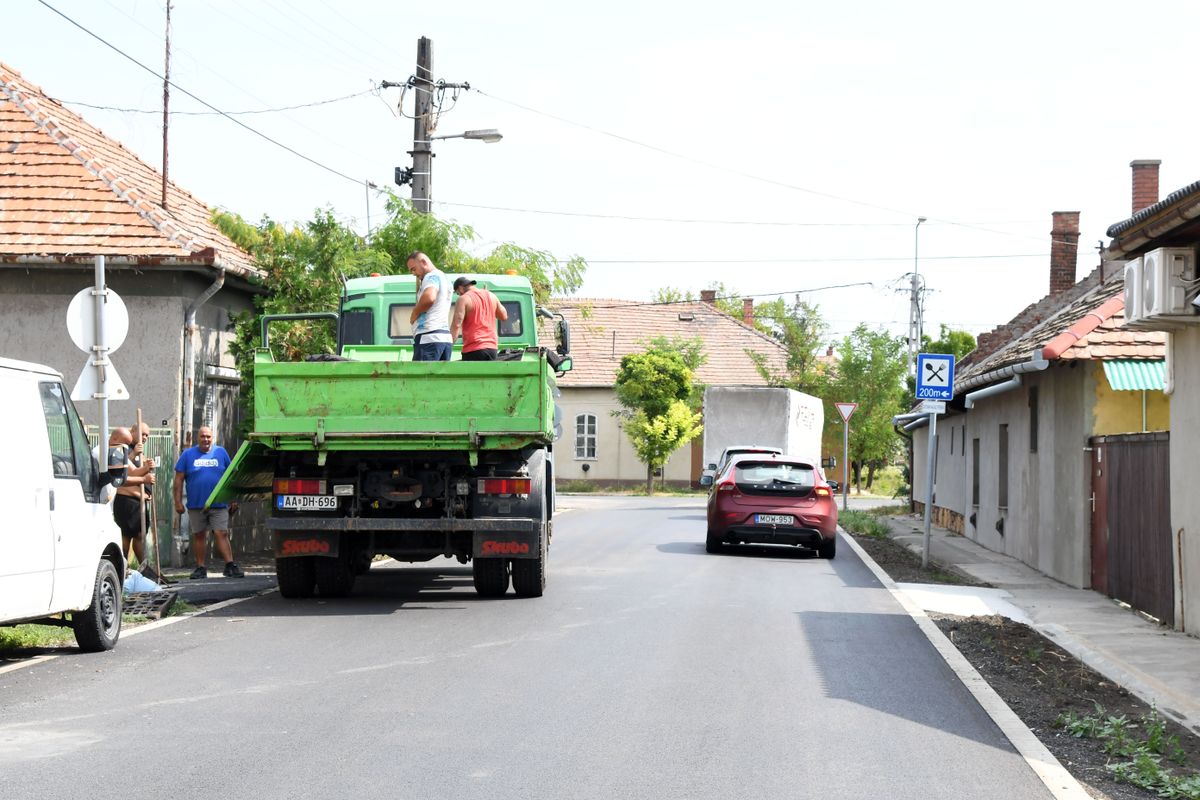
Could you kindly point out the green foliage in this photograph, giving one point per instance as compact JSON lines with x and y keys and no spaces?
{"x":863,"y":523}
{"x":949,"y":342}
{"x":1144,"y":754}
{"x":654,"y":388}
{"x":693,"y":355}
{"x":656,"y":437}
{"x":652,"y":381}
{"x":305,"y":264}
{"x":870,"y":371}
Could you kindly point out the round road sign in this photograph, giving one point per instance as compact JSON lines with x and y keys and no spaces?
{"x":81,"y":320}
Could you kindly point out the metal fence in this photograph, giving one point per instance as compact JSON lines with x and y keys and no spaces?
{"x":160,"y":447}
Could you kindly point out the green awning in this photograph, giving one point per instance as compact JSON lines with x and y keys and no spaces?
{"x":1126,"y":375}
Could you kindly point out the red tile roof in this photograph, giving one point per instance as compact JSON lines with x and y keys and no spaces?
{"x":1090,"y":326}
{"x":68,"y":192}
{"x":602,"y":331}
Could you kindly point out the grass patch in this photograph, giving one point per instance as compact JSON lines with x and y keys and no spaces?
{"x":181,"y":607}
{"x":26,"y":637}
{"x":863,"y":523}
{"x":889,"y":482}
{"x":577,"y":486}
{"x":890,"y":511}
{"x":1141,"y":745}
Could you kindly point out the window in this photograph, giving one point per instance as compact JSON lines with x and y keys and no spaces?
{"x":1002,"y":466}
{"x":974,"y":472}
{"x":585,"y":436}
{"x":398,"y":325}
{"x":70,"y":456}
{"x":951,"y":441}
{"x":1033,"y":419}
{"x":773,"y":477}
{"x":512,"y":325}
{"x":358,"y":326}
{"x":962,"y":442}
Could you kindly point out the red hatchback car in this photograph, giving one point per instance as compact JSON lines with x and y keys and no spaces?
{"x":772,"y":499}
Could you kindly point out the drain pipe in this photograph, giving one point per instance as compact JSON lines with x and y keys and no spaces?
{"x":996,"y":388}
{"x":190,"y":331}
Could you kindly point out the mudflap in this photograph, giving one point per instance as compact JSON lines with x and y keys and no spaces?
{"x":506,"y":544}
{"x":306,"y":543}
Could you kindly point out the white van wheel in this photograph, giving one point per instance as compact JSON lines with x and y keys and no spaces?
{"x":99,"y":627}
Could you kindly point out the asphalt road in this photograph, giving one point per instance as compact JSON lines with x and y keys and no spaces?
{"x":649,"y":670}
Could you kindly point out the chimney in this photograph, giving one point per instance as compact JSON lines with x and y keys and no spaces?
{"x":1145,"y":183}
{"x":1064,"y":250}
{"x":709,"y":296}
{"x":748,"y":310}
{"x":829,"y":351}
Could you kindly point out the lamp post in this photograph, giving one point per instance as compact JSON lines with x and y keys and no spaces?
{"x":420,"y":174}
{"x":914,"y":312}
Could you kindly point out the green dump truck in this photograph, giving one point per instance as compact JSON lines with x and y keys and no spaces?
{"x":365,"y":452}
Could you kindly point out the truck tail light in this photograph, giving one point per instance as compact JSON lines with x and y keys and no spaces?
{"x":504,"y":486}
{"x":823,"y":491}
{"x":299,"y":486}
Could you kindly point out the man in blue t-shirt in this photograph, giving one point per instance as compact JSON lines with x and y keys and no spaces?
{"x":430,"y":316}
{"x":200,"y":468}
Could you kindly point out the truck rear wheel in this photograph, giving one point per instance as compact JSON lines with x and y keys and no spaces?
{"x":335,"y":576}
{"x":529,"y":574}
{"x":296,"y":576}
{"x":490,"y":576}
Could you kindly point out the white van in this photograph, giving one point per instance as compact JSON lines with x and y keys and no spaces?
{"x":60,"y":551}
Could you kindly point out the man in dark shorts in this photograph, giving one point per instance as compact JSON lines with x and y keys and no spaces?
{"x":475,"y":316}
{"x":126,"y":502}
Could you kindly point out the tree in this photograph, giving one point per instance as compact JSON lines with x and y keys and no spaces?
{"x":654,"y":388}
{"x":802,"y":331}
{"x":949,"y":342}
{"x":305,"y":264}
{"x":870,"y":371}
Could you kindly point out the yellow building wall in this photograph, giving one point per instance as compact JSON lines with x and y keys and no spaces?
{"x":1121,"y":412}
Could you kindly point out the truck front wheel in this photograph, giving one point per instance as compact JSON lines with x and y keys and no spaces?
{"x":490,"y":576}
{"x":296,"y":575}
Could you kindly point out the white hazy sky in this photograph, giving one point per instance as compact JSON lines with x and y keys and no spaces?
{"x":840,"y":122}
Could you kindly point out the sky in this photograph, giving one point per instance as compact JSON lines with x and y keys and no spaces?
{"x":776,"y":148}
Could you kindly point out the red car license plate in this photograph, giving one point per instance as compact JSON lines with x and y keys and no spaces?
{"x":773,"y":519}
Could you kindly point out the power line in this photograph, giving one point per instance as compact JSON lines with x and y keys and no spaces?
{"x":747,"y":175}
{"x":798,"y":260}
{"x":693,"y":300}
{"x":202,"y":102}
{"x":216,"y":113}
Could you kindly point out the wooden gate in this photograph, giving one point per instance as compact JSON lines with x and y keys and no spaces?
{"x":1132,"y":560}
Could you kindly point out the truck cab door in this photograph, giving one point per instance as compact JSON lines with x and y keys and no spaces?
{"x":27,"y":536}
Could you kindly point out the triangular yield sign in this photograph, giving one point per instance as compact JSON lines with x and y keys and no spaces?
{"x":846,"y":409}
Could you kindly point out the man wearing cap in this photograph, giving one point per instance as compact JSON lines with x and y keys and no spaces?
{"x":475,"y":316}
{"x":430,"y":316}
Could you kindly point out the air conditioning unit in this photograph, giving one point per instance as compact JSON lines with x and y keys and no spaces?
{"x":1168,"y":275}
{"x":1133,"y":293}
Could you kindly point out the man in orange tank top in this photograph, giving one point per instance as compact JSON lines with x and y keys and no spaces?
{"x":475,"y":316}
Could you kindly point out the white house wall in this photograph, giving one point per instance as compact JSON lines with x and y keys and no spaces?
{"x":615,"y":458}
{"x":1046,"y":520}
{"x":1185,"y":499}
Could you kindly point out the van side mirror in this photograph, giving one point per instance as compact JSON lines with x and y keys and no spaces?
{"x":706,"y":480}
{"x":834,"y":486}
{"x":712,"y":466}
{"x":118,"y":468}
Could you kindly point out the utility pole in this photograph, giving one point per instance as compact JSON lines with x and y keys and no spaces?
{"x":422,"y":152}
{"x":166,"y":112}
{"x":915,"y":323}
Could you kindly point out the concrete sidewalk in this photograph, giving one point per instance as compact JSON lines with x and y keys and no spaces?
{"x":1159,"y":665}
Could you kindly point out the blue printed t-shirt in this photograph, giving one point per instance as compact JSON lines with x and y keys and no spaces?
{"x":201,"y":472}
{"x":437,"y":316}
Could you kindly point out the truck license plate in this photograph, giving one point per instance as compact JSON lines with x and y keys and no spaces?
{"x":773,"y":519}
{"x":306,"y":502}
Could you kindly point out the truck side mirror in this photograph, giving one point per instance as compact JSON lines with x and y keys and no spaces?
{"x":706,"y":480}
{"x":564,"y":337}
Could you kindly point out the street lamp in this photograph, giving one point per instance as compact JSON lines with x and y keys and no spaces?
{"x":915,"y":323}
{"x":420,"y":174}
{"x":488,"y":135}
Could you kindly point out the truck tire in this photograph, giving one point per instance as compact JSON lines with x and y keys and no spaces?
{"x":529,"y":574}
{"x":490,"y":576}
{"x":335,"y":576}
{"x":99,"y":627}
{"x":827,"y":548}
{"x":296,"y":576}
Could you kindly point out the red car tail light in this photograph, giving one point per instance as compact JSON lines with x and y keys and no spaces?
{"x":726,"y":486}
{"x":504,"y":486}
{"x":299,"y":486}
{"x":823,"y":491}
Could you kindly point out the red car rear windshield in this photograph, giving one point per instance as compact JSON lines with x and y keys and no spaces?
{"x":774,"y":477}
